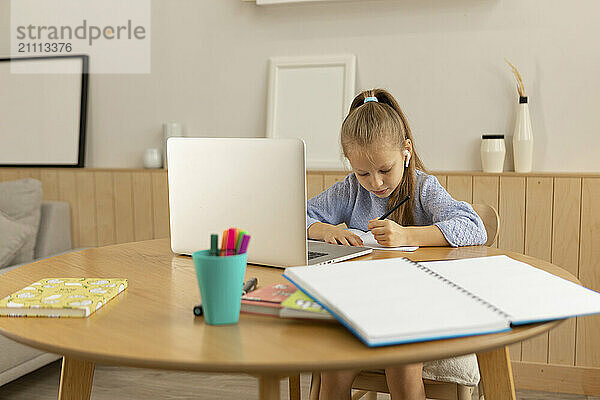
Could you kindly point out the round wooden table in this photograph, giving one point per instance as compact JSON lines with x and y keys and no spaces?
{"x":151,"y":325}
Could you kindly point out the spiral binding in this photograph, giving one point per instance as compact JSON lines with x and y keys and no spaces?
{"x":460,"y":288}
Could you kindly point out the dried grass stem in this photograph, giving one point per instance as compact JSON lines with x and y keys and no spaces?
{"x":518,"y":78}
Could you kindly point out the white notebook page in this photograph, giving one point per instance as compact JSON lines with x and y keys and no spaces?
{"x":526,"y":293}
{"x":393,"y":301}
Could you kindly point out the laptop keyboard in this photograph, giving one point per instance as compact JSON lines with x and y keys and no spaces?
{"x":315,"y":254}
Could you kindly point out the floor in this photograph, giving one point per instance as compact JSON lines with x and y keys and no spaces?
{"x":120,"y":383}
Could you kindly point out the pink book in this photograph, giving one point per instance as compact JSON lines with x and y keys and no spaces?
{"x":267,"y":300}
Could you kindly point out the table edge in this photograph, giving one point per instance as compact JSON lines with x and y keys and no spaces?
{"x":500,"y":340}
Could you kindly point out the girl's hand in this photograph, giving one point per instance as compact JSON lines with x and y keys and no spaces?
{"x":333,"y":234}
{"x":337,"y":235}
{"x":388,"y":233}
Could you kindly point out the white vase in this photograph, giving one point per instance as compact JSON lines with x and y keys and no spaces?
{"x":523,"y":138}
{"x":493,"y":151}
{"x":152,"y":158}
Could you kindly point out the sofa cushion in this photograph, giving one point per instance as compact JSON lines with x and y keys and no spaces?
{"x":14,"y":235}
{"x":21,"y":202}
{"x":54,"y":234}
{"x":14,"y":353}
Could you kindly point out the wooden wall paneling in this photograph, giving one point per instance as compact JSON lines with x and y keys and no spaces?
{"x":512,"y":227}
{"x":160,"y":202}
{"x":9,"y":174}
{"x":86,"y":203}
{"x":566,"y":223}
{"x":29,"y":173}
{"x":538,"y":243}
{"x":512,"y":212}
{"x":314,"y":185}
{"x":36,"y":173}
{"x":123,"y":207}
{"x":142,"y":206}
{"x":67,"y":191}
{"x":588,"y":343}
{"x":538,"y":221}
{"x":557,"y":379}
{"x":105,"y":208}
{"x":329,"y":180}
{"x":565,"y":253}
{"x":486,"y":191}
{"x":442,"y":179}
{"x":49,"y":179}
{"x":23,"y":173}
{"x":460,"y":187}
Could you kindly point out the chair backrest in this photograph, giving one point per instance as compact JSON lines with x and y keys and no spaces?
{"x":491,"y":221}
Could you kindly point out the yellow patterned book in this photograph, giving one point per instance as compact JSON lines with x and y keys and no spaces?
{"x":62,"y":297}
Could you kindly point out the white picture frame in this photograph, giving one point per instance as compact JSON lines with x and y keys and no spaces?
{"x":308,"y":98}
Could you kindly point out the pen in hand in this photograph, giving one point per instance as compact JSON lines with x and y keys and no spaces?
{"x":387,"y":214}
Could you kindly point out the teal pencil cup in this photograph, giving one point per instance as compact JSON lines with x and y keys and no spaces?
{"x":220,"y":280}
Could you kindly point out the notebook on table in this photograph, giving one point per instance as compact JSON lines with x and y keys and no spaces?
{"x":402,"y":301}
{"x":62,"y":297}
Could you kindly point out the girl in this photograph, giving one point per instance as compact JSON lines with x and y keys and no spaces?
{"x":378,"y":143}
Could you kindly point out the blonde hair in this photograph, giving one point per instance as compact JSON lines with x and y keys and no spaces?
{"x":382,"y":124}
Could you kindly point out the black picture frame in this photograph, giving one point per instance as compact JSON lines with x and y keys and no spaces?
{"x":82,"y":111}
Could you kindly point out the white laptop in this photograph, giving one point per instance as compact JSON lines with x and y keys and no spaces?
{"x":258,"y":185}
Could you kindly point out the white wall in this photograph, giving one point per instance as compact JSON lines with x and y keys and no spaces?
{"x":442,"y":59}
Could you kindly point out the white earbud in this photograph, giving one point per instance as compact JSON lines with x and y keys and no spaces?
{"x":407,"y":156}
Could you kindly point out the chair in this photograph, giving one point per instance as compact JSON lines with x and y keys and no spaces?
{"x":369,"y":383}
{"x":491,"y":221}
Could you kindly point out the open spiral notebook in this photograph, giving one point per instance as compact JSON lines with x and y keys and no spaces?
{"x":393,"y":301}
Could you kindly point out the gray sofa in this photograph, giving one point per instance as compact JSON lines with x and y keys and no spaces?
{"x":53,"y":237}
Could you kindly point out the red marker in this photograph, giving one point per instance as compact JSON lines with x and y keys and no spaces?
{"x":230,"y":242}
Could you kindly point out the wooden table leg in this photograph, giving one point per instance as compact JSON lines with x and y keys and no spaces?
{"x":76,"y":378}
{"x":294,"y":385}
{"x":268,"y":387}
{"x":315,"y":386}
{"x":496,"y":374}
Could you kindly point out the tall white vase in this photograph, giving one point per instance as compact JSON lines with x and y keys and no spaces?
{"x":523,"y":138}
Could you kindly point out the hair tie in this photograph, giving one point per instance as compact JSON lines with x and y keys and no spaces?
{"x":367,"y":99}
